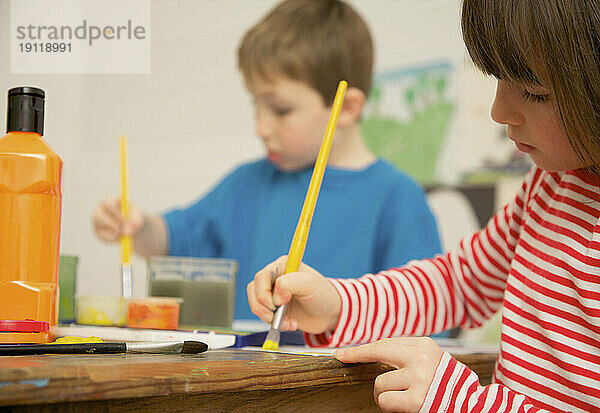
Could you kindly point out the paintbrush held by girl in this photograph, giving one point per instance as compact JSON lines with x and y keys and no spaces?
{"x":537,"y":260}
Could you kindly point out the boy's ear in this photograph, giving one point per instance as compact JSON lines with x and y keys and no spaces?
{"x":354,"y":101}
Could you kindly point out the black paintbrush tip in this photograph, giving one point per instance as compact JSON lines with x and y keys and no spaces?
{"x":193,"y":347}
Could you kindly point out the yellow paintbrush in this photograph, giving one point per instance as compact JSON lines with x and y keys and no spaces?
{"x":301,"y":234}
{"x":126,"y":241}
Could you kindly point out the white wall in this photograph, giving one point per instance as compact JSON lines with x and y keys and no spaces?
{"x":190,"y":120}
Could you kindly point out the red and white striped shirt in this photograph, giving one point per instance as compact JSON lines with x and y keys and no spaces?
{"x":538,"y":260}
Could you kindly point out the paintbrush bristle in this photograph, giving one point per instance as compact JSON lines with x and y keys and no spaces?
{"x":272,"y":340}
{"x":193,"y":347}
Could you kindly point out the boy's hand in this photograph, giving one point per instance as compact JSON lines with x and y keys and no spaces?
{"x":314,"y":304}
{"x":110,"y":225}
{"x":416,"y":360}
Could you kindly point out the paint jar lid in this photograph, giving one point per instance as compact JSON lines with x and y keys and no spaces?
{"x":25,"y":111}
{"x":23,"y":326}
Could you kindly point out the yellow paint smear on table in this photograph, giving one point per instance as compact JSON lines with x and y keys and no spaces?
{"x":75,"y":340}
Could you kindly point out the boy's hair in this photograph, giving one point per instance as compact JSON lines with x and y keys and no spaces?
{"x":554,"y":43}
{"x":318,"y":42}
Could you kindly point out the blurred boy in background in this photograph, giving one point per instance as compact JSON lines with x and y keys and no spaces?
{"x":369,"y":216}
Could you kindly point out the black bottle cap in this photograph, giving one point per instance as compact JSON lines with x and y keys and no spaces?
{"x":25,"y":111}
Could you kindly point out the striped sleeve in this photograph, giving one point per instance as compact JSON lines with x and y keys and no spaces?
{"x":460,"y":288}
{"x":455,"y":388}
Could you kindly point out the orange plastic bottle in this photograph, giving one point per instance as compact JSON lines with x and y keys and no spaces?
{"x":30,"y":205}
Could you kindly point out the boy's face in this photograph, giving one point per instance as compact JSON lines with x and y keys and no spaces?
{"x":532,"y":124}
{"x":291,"y":118}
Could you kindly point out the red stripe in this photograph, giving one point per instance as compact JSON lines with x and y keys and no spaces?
{"x":569,"y":287}
{"x":481,"y":398}
{"x":471,"y":391}
{"x":592,"y":194}
{"x":349,"y":316}
{"x":465,"y":272}
{"x":535,"y":181}
{"x":460,"y":382}
{"x":582,"y":338}
{"x":456,"y":306}
{"x":568,"y":201}
{"x":496,"y":247}
{"x":548,"y":309}
{"x":501,"y":268}
{"x":387,"y":313}
{"x":576,"y":237}
{"x":417,"y":312}
{"x":359,"y":316}
{"x":375,"y":309}
{"x":405,"y":321}
{"x":542,"y":388}
{"x":591,"y":374}
{"x":519,"y":202}
{"x":498,"y":398}
{"x":528,"y":399}
{"x":445,"y":274}
{"x":591,"y":278}
{"x":426,"y":307}
{"x":576,"y":255}
{"x":441,"y":390}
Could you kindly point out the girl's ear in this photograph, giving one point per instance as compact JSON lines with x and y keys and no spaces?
{"x":354,"y":101}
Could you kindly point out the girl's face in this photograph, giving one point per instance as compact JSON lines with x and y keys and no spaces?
{"x":532,"y":124}
{"x":291,"y":118}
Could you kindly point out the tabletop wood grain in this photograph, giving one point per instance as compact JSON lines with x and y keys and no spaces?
{"x":229,"y":379}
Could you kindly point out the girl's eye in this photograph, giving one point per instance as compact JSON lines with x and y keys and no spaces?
{"x":534,"y":97}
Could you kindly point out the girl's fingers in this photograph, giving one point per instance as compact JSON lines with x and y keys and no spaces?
{"x":391,"y":380}
{"x":398,"y":401}
{"x":261,"y":311}
{"x":388,"y":351}
{"x":264,"y":280}
{"x":263,"y":288}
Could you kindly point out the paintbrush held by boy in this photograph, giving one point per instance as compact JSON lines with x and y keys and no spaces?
{"x":537,"y":260}
{"x":370,"y":216}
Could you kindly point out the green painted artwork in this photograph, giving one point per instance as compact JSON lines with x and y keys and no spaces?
{"x":408,"y":116}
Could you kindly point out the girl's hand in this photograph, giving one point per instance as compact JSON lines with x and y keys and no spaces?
{"x":110,"y":225}
{"x":313,"y":302}
{"x":415,"y":358}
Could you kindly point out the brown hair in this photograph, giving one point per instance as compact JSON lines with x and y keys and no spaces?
{"x":555,"y":43}
{"x":319,"y":42}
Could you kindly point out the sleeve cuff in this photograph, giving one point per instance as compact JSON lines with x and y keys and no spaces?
{"x":346,"y":322}
{"x":441,"y":395}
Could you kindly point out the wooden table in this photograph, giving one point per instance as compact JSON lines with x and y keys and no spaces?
{"x":227,"y":380}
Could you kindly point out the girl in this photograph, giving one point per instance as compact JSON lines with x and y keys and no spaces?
{"x":537,"y":260}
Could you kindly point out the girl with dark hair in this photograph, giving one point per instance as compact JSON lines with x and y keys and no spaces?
{"x":537,"y":260}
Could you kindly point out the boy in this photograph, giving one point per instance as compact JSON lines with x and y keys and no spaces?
{"x":369,"y":215}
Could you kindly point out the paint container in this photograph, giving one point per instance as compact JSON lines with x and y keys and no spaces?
{"x":101,"y":310}
{"x":30,"y":206}
{"x":207,"y":286}
{"x":67,"y":281}
{"x":153,"y":312}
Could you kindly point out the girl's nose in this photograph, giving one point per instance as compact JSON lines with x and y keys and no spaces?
{"x":506,"y":107}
